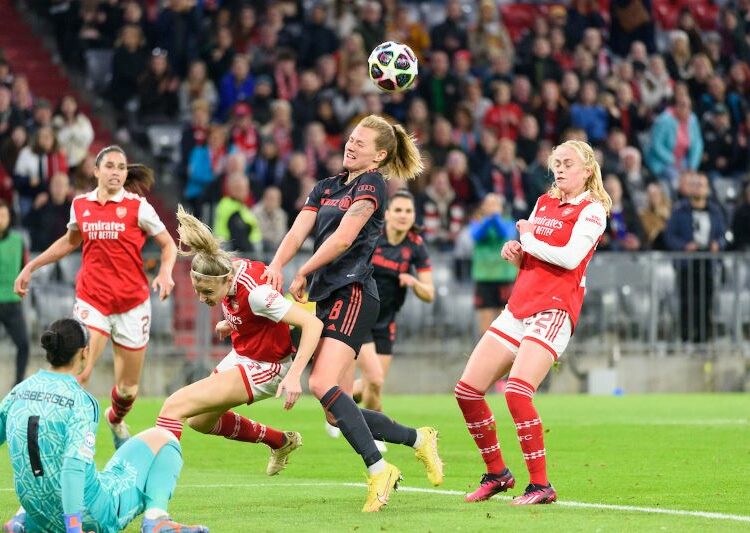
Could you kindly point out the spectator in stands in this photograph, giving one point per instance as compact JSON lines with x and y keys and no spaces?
{"x":292,"y":185}
{"x":317,"y":148}
{"x":74,"y":132}
{"x":631,"y":21}
{"x":41,"y":115}
{"x":481,"y":160}
{"x":527,"y":142}
{"x":522,"y":93}
{"x":245,"y":33}
{"x":128,"y":62}
{"x":676,"y":142}
{"x":493,"y":276}
{"x":465,"y":134}
{"x":11,"y":147}
{"x":677,"y":57}
{"x":194,"y":133}
{"x":627,"y":115}
{"x":49,"y":214}
{"x":441,"y":141}
{"x":236,"y":85}
{"x":702,"y":70}
{"x":551,"y":113}
{"x":507,"y":180}
{"x":559,"y":49}
{"x":717,"y":94}
{"x":267,"y":168}
{"x":439,"y":87}
{"x":441,"y":213}
{"x":476,"y":101}
{"x":206,"y":166}
{"x":272,"y":219}
{"x":305,"y":102}
{"x":234,"y":221}
{"x":488,"y":34}
{"x":350,"y":102}
{"x":570,"y":87}
{"x":538,"y":178}
{"x":589,"y":114}
{"x":655,"y":215}
{"x":83,"y":179}
{"x":634,"y":176}
{"x":9,"y":115}
{"x":262,"y":99}
{"x":36,"y":164}
{"x":462,"y":183}
{"x":196,"y":86}
{"x":539,"y":29}
{"x":504,"y":117}
{"x":6,"y":74}
{"x":624,"y":231}
{"x":721,"y":148}
{"x":285,"y":76}
{"x":317,"y":38}
{"x":244,"y":137}
{"x":371,"y":26}
{"x":616,"y":142}
{"x":157,"y":89}
{"x":23,"y":99}
{"x":351,"y":55}
{"x":13,"y":256}
{"x":500,"y":69}
{"x":655,"y":86}
{"x":220,"y":55}
{"x":280,"y":127}
{"x":540,"y":65}
{"x":741,"y":221}
{"x":402,"y":28}
{"x":178,"y":31}
{"x":450,"y":35}
{"x":696,"y":225}
{"x":582,"y":16}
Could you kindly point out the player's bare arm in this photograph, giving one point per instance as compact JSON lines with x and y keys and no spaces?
{"x":311,"y":328}
{"x":57,"y":250}
{"x":303,"y":225}
{"x":163,"y":282}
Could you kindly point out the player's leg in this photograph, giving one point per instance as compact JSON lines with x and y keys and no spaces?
{"x":372,"y":377}
{"x":128,"y":365}
{"x":547,"y":334}
{"x":491,"y":359}
{"x":11,"y":316}
{"x":100,"y":330}
{"x":18,"y":523}
{"x":156,"y":457}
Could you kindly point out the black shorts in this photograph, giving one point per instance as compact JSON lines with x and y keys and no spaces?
{"x":348,"y":315}
{"x":492,"y":294}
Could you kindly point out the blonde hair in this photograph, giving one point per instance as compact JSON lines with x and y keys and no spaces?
{"x":210,"y":260}
{"x":403,"y":159}
{"x":594,"y":183}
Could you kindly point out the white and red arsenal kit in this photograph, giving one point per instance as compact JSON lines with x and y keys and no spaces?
{"x":553,"y":269}
{"x":111,"y":278}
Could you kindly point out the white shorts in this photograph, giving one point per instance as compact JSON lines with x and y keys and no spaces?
{"x":551,"y":329}
{"x":261,"y":378}
{"x":129,"y":329}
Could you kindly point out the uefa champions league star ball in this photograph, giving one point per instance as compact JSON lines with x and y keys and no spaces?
{"x":392,"y":67}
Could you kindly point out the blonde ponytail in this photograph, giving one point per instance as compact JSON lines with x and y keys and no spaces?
{"x":594,"y":183}
{"x":403,"y":160}
{"x":209,"y":260}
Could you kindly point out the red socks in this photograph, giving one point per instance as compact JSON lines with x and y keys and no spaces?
{"x":518,"y":395}
{"x":235,"y":427}
{"x":481,"y":424}
{"x":171,"y":425}
{"x":120,"y":406}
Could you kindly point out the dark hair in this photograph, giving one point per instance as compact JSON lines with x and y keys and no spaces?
{"x":405,"y":193}
{"x":5,"y":204}
{"x":140,"y":177}
{"x":62,"y":340}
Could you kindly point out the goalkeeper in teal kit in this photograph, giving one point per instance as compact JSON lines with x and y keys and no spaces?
{"x":49,"y":423}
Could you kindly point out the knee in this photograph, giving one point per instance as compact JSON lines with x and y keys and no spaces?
{"x":171,"y":406}
{"x":464,"y":391}
{"x":375,"y":383}
{"x":319,"y":386}
{"x":199,"y":424}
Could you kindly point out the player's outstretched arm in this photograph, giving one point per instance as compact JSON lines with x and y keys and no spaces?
{"x":163,"y":282}
{"x":303,"y":225}
{"x":57,"y":250}
{"x":311,"y":328}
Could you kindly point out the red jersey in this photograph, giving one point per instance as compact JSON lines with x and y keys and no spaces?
{"x":254,"y":311}
{"x":111,"y":278}
{"x":553,"y":268}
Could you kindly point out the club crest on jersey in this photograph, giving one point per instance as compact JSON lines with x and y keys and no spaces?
{"x":567,"y":211}
{"x":235,"y":306}
{"x":121,"y":211}
{"x":84,"y":314}
{"x":405,"y":254}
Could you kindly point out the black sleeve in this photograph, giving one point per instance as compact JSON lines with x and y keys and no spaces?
{"x":313,"y":199}
{"x":371,"y":186}
{"x":239,"y":232}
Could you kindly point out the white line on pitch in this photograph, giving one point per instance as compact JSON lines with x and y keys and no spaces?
{"x":564,"y":503}
{"x":444,"y":492}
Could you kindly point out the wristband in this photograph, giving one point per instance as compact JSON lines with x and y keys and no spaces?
{"x":73,"y":523}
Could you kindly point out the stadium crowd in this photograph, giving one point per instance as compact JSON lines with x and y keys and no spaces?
{"x":267,"y":92}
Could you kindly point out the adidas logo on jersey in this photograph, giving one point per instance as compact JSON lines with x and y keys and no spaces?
{"x":87,"y":213}
{"x":331,"y":327}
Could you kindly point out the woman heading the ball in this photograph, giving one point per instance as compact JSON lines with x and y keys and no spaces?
{"x":345,"y":215}
{"x":556,"y":245}
{"x":257,"y":317}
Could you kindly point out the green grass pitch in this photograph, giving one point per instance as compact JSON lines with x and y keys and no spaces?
{"x":687,"y":456}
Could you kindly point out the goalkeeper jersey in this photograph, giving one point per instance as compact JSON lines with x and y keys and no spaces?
{"x":45,"y":420}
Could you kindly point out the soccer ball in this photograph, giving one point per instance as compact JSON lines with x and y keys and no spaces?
{"x":392,"y":67}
